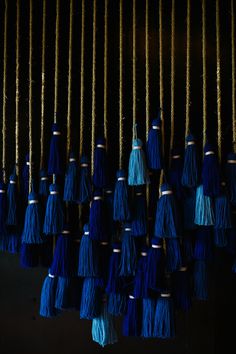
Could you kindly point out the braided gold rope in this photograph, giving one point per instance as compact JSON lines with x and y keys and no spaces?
{"x":233,"y":74}
{"x":121,"y":86}
{"x":4,"y":94}
{"x":42,"y":124}
{"x":204,"y":80}
{"x":93,"y":84}
{"x":147,"y":98}
{"x":187,"y":106}
{"x":56,"y":60}
{"x":69,"y":80}
{"x":172,"y":77}
{"x":161,"y":85}
{"x":134,"y":63}
{"x":17,"y":98}
{"x":82,"y":79}
{"x":105,"y":69}
{"x":30,"y":93}
{"x":218,"y":81}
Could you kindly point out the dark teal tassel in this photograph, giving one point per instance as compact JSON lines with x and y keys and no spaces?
{"x":148,"y":318}
{"x":204,"y":215}
{"x":231,"y":176}
{"x":88,"y":256}
{"x":190,"y":170}
{"x":121,"y":210}
{"x":139,"y":213}
{"x":71,"y":180}
{"x":54,"y":216}
{"x":48,"y":295}
{"x":55,"y":165}
{"x":12,"y":201}
{"x":128,"y":253}
{"x":164,"y":326}
{"x":154,"y":146}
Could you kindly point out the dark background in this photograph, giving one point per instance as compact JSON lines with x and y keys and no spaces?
{"x":209,"y":327}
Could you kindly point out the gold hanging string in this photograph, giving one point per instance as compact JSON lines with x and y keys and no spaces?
{"x":93,"y":83}
{"x":69,"y":80}
{"x":105,"y":69}
{"x":134,"y":63}
{"x":17,"y":98}
{"x":30,"y":93}
{"x":161,"y":85}
{"x":4,"y":94}
{"x":82,"y":78}
{"x":172,"y":78}
{"x":121,"y":86}
{"x":147,"y":98}
{"x":43,"y":86}
{"x":233,"y":75}
{"x":218,"y":81}
{"x":204,"y":79}
{"x":187,"y":106}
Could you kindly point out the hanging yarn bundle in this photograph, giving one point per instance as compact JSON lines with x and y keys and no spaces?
{"x":154,"y":146}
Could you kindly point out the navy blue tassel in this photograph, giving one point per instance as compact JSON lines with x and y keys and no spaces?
{"x":116,"y":304}
{"x":97,"y":220}
{"x":12,"y":201}
{"x":121,"y":210}
{"x":109,"y":209}
{"x":71,"y":180}
{"x":139,"y":213}
{"x":189,"y":209}
{"x":231,"y":241}
{"x":55,"y":165}
{"x":25,"y":179}
{"x":66,"y":293}
{"x":46,"y":252}
{"x":190,"y":174}
{"x":140,"y":280}
{"x":3,"y":216}
{"x":220,"y":238}
{"x":203,"y":244}
{"x":154,"y":146}
{"x":222,"y":212}
{"x":187,"y":247}
{"x":231,"y":176}
{"x":200,"y":280}
{"x":155,"y":266}
{"x":114,"y":283}
{"x":166,"y":223}
{"x":48,"y":295}
{"x":43,"y":184}
{"x":173,"y":255}
{"x":85,"y":188}
{"x":88,"y":256}
{"x":176,"y":172}
{"x":90,"y":306}
{"x":14,"y":241}
{"x":164,"y":323}
{"x":100,"y":176}
{"x":210,"y":172}
{"x":29,"y":255}
{"x":104,"y":258}
{"x":182,"y":289}
{"x":132,"y":319}
{"x":54,"y":217}
{"x":204,"y":215}
{"x":128,"y":253}
{"x":148,"y":318}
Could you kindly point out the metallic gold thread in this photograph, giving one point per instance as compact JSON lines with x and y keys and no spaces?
{"x":105,"y":69}
{"x":204,"y":79}
{"x":233,"y":74}
{"x":42,"y":124}
{"x":82,"y":77}
{"x":4,"y":94}
{"x":30,"y":103}
{"x":187,"y":105}
{"x":134,"y":63}
{"x":218,"y":81}
{"x":121,"y":86}
{"x":93,"y":113}
{"x":69,"y":80}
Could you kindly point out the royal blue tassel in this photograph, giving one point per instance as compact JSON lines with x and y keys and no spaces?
{"x":182,"y":289}
{"x":29,"y":255}
{"x":109,"y":209}
{"x":85,"y":188}
{"x":88,"y":256}
{"x":25,"y":178}
{"x":189,"y":209}
{"x":114,"y":283}
{"x":148,"y":318}
{"x":190,"y":174}
{"x":116,"y":304}
{"x":210,"y":172}
{"x":90,"y":306}
{"x":154,"y":146}
{"x":173,"y":255}
{"x":66,"y":293}
{"x":97,"y":220}
{"x":200,"y":280}
{"x":139,"y":213}
{"x":100,"y":176}
{"x":3,"y":216}
{"x":55,"y":165}
{"x":176,"y":172}
{"x":43,"y":184}
{"x":155,"y":266}
{"x":103,"y":330}
{"x":203,"y":244}
{"x":71,"y":180}
{"x":132,"y":319}
{"x":164,"y":323}
{"x":48,"y":295}
{"x":121,"y":210}
{"x":231,"y":176}
{"x":166,"y":223}
{"x":54,"y":217}
{"x":12,"y":200}
{"x":140,"y":280}
{"x":128,"y":253}
{"x":32,"y":232}
{"x":203,"y":209}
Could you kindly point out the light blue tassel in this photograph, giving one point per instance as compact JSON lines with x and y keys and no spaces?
{"x":148,"y":318}
{"x":203,"y":209}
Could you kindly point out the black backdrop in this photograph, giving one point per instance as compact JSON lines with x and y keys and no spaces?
{"x":210,"y":327}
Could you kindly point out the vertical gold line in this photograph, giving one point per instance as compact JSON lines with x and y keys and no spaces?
{"x":17,"y":98}
{"x":233,"y":72}
{"x":43,"y":86}
{"x":172,"y":104}
{"x":56,"y":60}
{"x":161,"y":85}
{"x":93,"y":83}
{"x":105,"y":68}
{"x":4,"y":94}
{"x":30,"y":92}
{"x":134,"y":62}
{"x":218,"y":81}
{"x":147,"y":98}
{"x":187,"y":107}
{"x":121,"y":86}
{"x":204,"y":81}
{"x":82,"y":78}
{"x":69,"y":80}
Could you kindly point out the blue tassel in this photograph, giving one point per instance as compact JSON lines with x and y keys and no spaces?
{"x":189,"y":209}
{"x":14,"y":242}
{"x":200,"y":280}
{"x":176,"y":172}
{"x":104,"y":258}
{"x":190,"y":174}
{"x":203,"y":244}
{"x":231,"y":241}
{"x":148,"y":318}
{"x":128,"y":254}
{"x":121,"y":210}
{"x":32,"y":232}
{"x":90,"y":306}
{"x":166,"y":223}
{"x":114,"y":283}
{"x":97,"y":220}
{"x":182,"y":289}
{"x":43,"y":184}
{"x":154,"y":146}
{"x":46,"y":252}
{"x":54,"y":217}
{"x":132,"y":319}
{"x":116,"y":304}
{"x":55,"y":166}
{"x":140,"y":280}
{"x":231,"y":176}
{"x":85,"y":188}
{"x":48,"y":295}
{"x":203,"y":209}
{"x":234,"y":266}
{"x":100,"y":176}
{"x":103,"y":330}
{"x":3,"y":216}
{"x":88,"y":256}
{"x":25,"y":178}
{"x":71,"y":177}
{"x":210,"y":172}
{"x":220,"y":238}
{"x":29,"y":255}
{"x":173,"y":255}
{"x":187,"y":244}
{"x":164,"y":326}
{"x":139,"y":214}
{"x":68,"y":289}
{"x":222,"y":212}
{"x":12,"y":201}
{"x":155,"y":266}
{"x":109,"y":208}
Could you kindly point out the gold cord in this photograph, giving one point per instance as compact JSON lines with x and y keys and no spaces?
{"x":233,"y":74}
{"x":134,"y":62}
{"x":187,"y":106}
{"x":30,"y":93}
{"x":172,"y":79}
{"x":121,"y":86}
{"x":204,"y":79}
{"x":147,"y":98}
{"x":93,"y":83}
{"x":56,"y":60}
{"x":105,"y":69}
{"x":82,"y":79}
{"x":161,"y":85}
{"x":218,"y":81}
{"x":69,"y":80}
{"x":43,"y":86}
{"x":17,"y":98}
{"x":4,"y":94}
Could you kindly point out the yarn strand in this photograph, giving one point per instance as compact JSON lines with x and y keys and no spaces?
{"x":187,"y":105}
{"x":82,"y":78}
{"x":204,"y":80}
{"x":105,"y":70}
{"x":121,"y":86}
{"x":218,"y":81}
{"x":134,"y":63}
{"x":93,"y":113}
{"x":161,"y":85}
{"x":43,"y":87}
{"x":4,"y":94}
{"x":30,"y":94}
{"x":233,"y":74}
{"x":17,"y":98}
{"x":69,"y":80}
{"x":172,"y":79}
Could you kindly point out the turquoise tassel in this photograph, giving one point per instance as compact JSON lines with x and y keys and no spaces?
{"x":203,"y":209}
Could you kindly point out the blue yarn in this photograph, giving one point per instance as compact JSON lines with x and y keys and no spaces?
{"x":222,"y":212}
{"x":182,"y":289}
{"x":138,"y":172}
{"x":103,"y":330}
{"x":200,"y":280}
{"x":190,"y":170}
{"x":48,"y":295}
{"x":55,"y":152}
{"x":114,"y":283}
{"x":25,"y":179}
{"x":109,"y":206}
{"x":164,"y":326}
{"x":155,"y":266}
{"x":71,"y":180}
{"x":14,"y":242}
{"x":128,"y":253}
{"x":12,"y":200}
{"x":100,"y":176}
{"x":187,"y":244}
{"x":203,"y":209}
{"x":148,"y":318}
{"x":90,"y":306}
{"x":189,"y":209}
{"x":132,"y":320}
{"x":140,"y":280}
{"x":154,"y":146}
{"x":121,"y":210}
{"x":176,"y":172}
{"x":43,"y":184}
{"x":166,"y":223}
{"x":210,"y":172}
{"x":3,"y":216}
{"x":220,"y":238}
{"x":97,"y":221}
{"x":85,"y":188}
{"x":139,"y":214}
{"x":116,"y":304}
{"x":67,"y":292}
{"x":54,"y":216}
{"x":29,"y":255}
{"x":173,"y":255}
{"x":231,"y":176}
{"x":203,"y":244}
{"x":32,"y":232}
{"x":88,"y":256}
